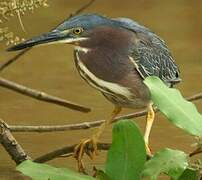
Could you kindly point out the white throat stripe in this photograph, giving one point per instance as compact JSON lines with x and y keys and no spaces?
{"x":82,"y":49}
{"x":111,"y":86}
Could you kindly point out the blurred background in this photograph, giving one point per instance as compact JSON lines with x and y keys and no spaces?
{"x":51,"y":69}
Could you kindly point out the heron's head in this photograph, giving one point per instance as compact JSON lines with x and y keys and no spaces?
{"x":84,"y":30}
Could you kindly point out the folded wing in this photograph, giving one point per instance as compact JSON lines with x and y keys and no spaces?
{"x":150,"y":54}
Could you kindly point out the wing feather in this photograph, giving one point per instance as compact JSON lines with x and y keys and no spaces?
{"x":150,"y":54}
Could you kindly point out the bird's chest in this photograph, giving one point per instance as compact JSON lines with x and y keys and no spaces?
{"x":107,"y":65}
{"x":111,"y":78}
{"x":104,"y":76}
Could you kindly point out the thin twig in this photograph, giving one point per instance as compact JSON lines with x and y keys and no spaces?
{"x":67,"y":150}
{"x":19,"y":17}
{"x":81,"y":9}
{"x":66,"y":155}
{"x":78,"y":126}
{"x":198,"y":147}
{"x":84,"y":125}
{"x":21,"y":53}
{"x":41,"y":95}
{"x":10,"y":144}
{"x":13,"y":59}
{"x":196,"y":152}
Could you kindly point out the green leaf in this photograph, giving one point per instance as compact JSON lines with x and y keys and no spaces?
{"x":127,"y":155}
{"x":190,"y":174}
{"x":39,"y":171}
{"x":171,"y":162}
{"x":179,"y":111}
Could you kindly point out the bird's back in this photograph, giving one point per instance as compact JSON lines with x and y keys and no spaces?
{"x":150,"y":54}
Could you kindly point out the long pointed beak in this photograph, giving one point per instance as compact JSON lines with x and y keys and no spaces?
{"x":46,"y":38}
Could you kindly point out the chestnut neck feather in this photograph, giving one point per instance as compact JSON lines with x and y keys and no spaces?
{"x":109,"y":51}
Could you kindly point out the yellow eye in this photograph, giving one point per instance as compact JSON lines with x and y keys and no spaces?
{"x":77,"y":31}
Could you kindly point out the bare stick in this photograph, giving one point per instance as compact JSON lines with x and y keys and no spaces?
{"x":11,"y":145}
{"x":67,"y":150}
{"x":81,"y":9}
{"x":195,"y":152}
{"x":41,"y":95}
{"x":198,"y":149}
{"x":84,"y":125}
{"x":21,"y":53}
{"x":78,"y":126}
{"x":13,"y":59}
{"x":78,"y":11}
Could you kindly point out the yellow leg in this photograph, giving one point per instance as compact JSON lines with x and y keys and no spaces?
{"x":150,"y":120}
{"x":82,"y":147}
{"x":115,"y":112}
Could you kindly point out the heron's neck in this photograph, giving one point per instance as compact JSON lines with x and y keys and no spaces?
{"x":105,"y":63}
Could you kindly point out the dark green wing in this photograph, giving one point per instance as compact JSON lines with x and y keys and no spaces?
{"x":150,"y":54}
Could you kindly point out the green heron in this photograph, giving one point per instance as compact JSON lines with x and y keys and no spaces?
{"x":114,"y":56}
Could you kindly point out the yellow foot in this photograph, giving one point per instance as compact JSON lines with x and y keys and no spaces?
{"x":88,"y":146}
{"x":148,"y":150}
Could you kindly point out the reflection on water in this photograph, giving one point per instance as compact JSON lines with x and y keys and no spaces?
{"x":51,"y":69}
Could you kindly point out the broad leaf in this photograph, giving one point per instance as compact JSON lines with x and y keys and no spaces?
{"x":190,"y":174}
{"x":171,"y":162}
{"x":127,"y":155}
{"x":178,"y":110}
{"x":43,"y":171}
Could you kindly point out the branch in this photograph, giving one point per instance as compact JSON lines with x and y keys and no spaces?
{"x":85,"y":125}
{"x":78,"y":126}
{"x":13,"y":59}
{"x":198,"y":149}
{"x":81,"y":9}
{"x":21,"y":53}
{"x":195,"y":152}
{"x":41,"y":95}
{"x":67,"y":150}
{"x":11,"y":145}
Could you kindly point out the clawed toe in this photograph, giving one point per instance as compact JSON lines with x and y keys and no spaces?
{"x":88,"y":146}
